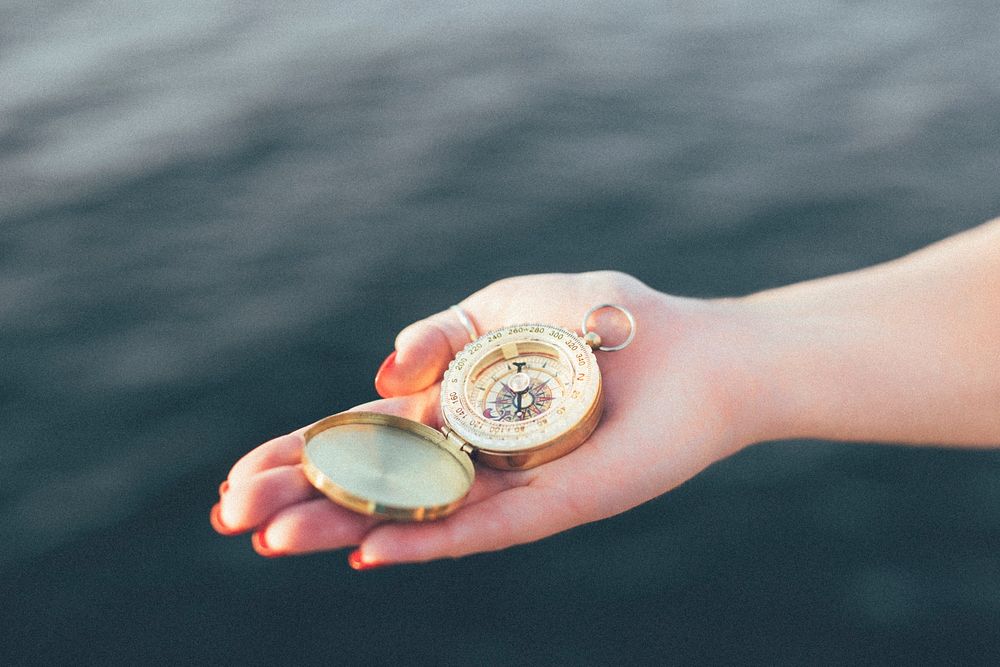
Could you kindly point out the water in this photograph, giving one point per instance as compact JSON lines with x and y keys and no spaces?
{"x":214,"y":218}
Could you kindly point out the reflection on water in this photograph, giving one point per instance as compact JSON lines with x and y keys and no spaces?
{"x":215,"y":217}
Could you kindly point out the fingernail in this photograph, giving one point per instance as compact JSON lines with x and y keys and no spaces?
{"x":386,"y":366}
{"x":215,"y":518}
{"x":260,"y":545}
{"x":357,"y":562}
{"x":223,"y":487}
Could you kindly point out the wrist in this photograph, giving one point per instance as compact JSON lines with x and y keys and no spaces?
{"x":775,"y":359}
{"x":809,"y":368}
{"x":737,"y":364}
{"x":747,"y":347}
{"x":721,"y":355}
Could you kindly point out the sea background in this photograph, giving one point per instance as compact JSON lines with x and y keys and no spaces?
{"x":215,"y":217}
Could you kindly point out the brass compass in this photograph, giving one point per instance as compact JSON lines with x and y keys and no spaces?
{"x":512,"y":399}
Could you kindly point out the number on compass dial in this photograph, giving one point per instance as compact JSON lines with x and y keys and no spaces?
{"x":518,"y":389}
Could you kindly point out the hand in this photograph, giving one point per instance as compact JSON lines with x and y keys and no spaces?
{"x":671,"y":409}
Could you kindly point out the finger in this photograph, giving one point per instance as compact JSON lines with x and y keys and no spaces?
{"x":252,"y":501}
{"x":316,"y":525}
{"x":515,"y":516}
{"x":422,"y":353}
{"x":281,"y":451}
{"x":424,"y":349}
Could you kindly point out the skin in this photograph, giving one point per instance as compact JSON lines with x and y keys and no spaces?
{"x":907,"y":351}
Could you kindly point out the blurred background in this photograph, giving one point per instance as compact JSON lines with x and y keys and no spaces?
{"x":215,"y":217}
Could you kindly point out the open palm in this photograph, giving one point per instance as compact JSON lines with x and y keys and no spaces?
{"x":668,"y":415}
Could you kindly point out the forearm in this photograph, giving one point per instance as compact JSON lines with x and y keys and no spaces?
{"x":907,"y":351}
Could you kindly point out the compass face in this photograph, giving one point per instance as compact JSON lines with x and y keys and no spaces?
{"x":517,"y":390}
{"x":520,"y":388}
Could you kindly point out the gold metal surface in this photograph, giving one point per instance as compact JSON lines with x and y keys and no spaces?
{"x":386,"y":466}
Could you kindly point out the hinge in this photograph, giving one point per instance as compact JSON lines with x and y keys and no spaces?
{"x":457,"y":441}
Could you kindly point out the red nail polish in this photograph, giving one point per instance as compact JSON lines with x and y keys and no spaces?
{"x":260,"y":545}
{"x":215,"y":518}
{"x":357,"y":562}
{"x":386,"y":366}
{"x":223,"y":487}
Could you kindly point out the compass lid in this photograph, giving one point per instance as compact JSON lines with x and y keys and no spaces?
{"x":387,"y":466}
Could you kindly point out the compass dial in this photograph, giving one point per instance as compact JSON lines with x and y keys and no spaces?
{"x":518,"y":389}
{"x":521,"y":389}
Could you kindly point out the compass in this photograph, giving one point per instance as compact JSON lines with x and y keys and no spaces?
{"x":522,"y":395}
{"x":512,"y":399}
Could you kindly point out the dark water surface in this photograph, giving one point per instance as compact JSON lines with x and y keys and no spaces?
{"x":214,"y":218}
